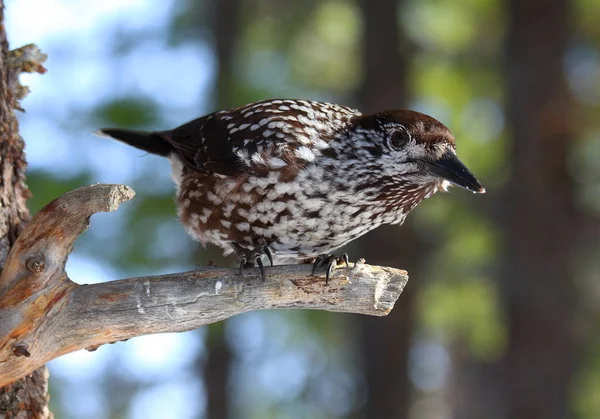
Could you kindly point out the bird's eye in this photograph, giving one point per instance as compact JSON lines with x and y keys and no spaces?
{"x":399,"y":138}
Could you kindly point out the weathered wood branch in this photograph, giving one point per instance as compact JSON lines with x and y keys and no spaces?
{"x":43,"y":314}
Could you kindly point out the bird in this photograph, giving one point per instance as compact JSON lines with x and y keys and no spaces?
{"x":296,"y":179}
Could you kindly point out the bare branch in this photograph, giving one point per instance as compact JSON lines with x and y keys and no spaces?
{"x":43,"y":314}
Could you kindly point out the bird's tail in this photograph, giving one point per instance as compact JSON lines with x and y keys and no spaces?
{"x":152,"y":142}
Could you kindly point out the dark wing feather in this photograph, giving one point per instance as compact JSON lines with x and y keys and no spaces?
{"x":250,"y":138}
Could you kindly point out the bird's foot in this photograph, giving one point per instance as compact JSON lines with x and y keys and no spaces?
{"x":250,"y":258}
{"x":330,"y":262}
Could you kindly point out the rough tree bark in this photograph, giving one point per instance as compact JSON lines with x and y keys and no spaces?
{"x":385,"y":344}
{"x":27,"y":397}
{"x":541,"y":222}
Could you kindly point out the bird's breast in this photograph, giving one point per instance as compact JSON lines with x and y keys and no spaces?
{"x":313,"y":212}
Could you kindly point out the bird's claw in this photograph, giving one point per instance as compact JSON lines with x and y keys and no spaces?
{"x":332,"y":262}
{"x":265,"y":249}
{"x":242,"y":260}
{"x":250,"y":258}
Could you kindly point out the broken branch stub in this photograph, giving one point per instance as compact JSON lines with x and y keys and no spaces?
{"x":38,"y":257}
{"x":43,"y":314}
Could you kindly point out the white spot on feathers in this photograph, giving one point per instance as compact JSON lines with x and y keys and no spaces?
{"x":277,"y":163}
{"x":243,"y":226}
{"x":304,"y":153}
{"x":176,"y":169}
{"x":279,"y":206}
{"x":214,"y":198}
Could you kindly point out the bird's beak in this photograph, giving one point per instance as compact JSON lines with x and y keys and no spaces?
{"x":448,"y":167}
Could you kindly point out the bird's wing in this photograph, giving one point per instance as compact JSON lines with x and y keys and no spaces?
{"x":259,"y":136}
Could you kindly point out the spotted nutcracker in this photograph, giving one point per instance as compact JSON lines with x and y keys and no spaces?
{"x":296,"y":179}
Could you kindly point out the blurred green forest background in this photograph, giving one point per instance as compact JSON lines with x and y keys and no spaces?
{"x":500,"y":318}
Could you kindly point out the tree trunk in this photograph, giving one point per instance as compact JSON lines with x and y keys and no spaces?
{"x":217,"y":369}
{"x":217,"y":366}
{"x":385,"y":342}
{"x":28,"y":397}
{"x":541,"y":223}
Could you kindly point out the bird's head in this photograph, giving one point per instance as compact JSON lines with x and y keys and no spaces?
{"x":415,"y":148}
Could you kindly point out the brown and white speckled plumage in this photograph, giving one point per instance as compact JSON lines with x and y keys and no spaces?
{"x":303,"y":178}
